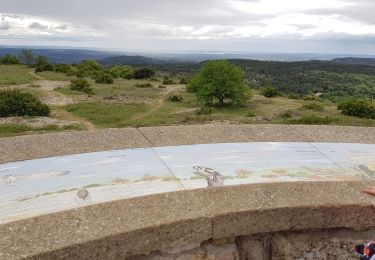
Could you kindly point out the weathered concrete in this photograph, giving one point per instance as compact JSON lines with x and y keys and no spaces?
{"x":55,"y":144}
{"x":139,"y":226}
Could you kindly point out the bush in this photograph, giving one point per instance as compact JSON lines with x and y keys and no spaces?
{"x":168,"y":81}
{"x":357,"y":107}
{"x":143,"y":85}
{"x":314,"y":107}
{"x":9,"y":59}
{"x":286,"y":114}
{"x":103,"y":78}
{"x":143,"y":73}
{"x":314,"y":120}
{"x":251,"y":114}
{"x":46,"y":67}
{"x":17,"y":103}
{"x":63,"y":68}
{"x":184,"y":81}
{"x":175,"y":98}
{"x":162,"y":86}
{"x":81,"y":85}
{"x":204,"y":111}
{"x":294,"y":96}
{"x":122,"y":71}
{"x":310,"y":97}
{"x":270,"y":92}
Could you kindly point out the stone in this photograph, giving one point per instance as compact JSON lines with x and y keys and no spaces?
{"x":222,"y":252}
{"x":325,"y":245}
{"x":254,"y":247}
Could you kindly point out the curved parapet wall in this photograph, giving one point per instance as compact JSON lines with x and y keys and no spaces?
{"x":104,"y":205}
{"x":182,"y":220}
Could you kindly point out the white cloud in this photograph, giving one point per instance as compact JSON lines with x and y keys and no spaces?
{"x":193,"y":24}
{"x":25,"y":25}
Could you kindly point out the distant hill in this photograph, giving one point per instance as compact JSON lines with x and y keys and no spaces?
{"x":132,"y":60}
{"x":61,"y":55}
{"x":355,"y":61}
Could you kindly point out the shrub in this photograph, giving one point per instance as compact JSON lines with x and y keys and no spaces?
{"x":314,"y":107}
{"x":63,"y":68}
{"x":17,"y":103}
{"x":122,"y":71}
{"x":251,"y":114}
{"x":293,"y":96}
{"x":168,"y":81}
{"x":9,"y":59}
{"x":310,"y":97}
{"x":143,"y":85}
{"x":81,"y":85}
{"x":143,"y":73}
{"x":204,"y":111}
{"x":175,"y":98}
{"x":286,"y":114}
{"x":357,"y":107}
{"x":103,"y":78}
{"x":270,"y":92}
{"x":184,"y":81}
{"x":46,"y":67}
{"x":314,"y":120}
{"x":162,"y":86}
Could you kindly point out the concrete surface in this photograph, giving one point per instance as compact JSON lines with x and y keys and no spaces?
{"x":55,"y":144}
{"x":138,"y":226}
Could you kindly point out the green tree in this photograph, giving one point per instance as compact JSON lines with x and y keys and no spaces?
{"x":220,"y":82}
{"x":26,"y":57}
{"x":41,"y":61}
{"x":9,"y":59}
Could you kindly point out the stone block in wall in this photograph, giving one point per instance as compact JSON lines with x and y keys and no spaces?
{"x":221,"y":252}
{"x":322,"y":245}
{"x":254,"y":247}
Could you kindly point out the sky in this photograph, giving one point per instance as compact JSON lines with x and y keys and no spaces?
{"x":291,"y":26}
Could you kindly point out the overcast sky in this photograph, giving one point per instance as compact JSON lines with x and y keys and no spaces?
{"x":308,"y":26}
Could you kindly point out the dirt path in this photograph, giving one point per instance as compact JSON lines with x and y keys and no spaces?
{"x":32,"y":73}
{"x":159,"y":104}
{"x":54,"y":98}
{"x":65,"y":115}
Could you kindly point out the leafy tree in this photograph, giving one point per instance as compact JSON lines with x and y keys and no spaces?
{"x":144,"y":73}
{"x":122,"y":71}
{"x":26,"y":57}
{"x":220,"y":82}
{"x":41,"y":64}
{"x":9,"y":59}
{"x":17,"y":103}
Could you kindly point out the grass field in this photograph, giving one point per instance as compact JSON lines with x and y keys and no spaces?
{"x":15,"y":74}
{"x":51,"y":75}
{"x":7,"y":130}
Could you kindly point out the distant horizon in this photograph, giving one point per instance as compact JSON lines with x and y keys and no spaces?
{"x":202,"y":52}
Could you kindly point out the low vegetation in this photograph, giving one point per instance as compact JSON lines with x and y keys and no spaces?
{"x":271,"y":92}
{"x":17,"y":103}
{"x":81,"y":85}
{"x":362,"y":108}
